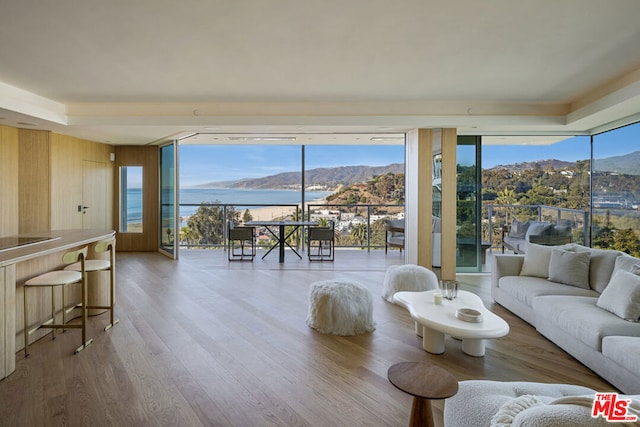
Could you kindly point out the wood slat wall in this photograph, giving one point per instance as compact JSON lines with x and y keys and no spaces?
{"x":67,"y":157}
{"x":9,"y":178}
{"x":35,"y":181}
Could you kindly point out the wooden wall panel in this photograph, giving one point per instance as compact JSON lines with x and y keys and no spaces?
{"x":147,"y":157}
{"x":9,"y":194}
{"x":34,"y":181}
{"x":67,"y":166}
{"x":7,"y":322}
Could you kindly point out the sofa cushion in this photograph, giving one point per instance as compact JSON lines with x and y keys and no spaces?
{"x":570,"y":268}
{"x":562,"y":230}
{"x":622,"y":296}
{"x":624,"y":351}
{"x":627,"y":263}
{"x":580,"y":317}
{"x":538,"y":228}
{"x":518,"y":229}
{"x":601,"y":265}
{"x":526,"y":288}
{"x":536,"y":260}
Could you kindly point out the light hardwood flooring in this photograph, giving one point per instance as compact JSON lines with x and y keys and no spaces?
{"x":202,"y":341}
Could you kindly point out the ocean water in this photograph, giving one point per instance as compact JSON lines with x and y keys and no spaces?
{"x":243,"y":198}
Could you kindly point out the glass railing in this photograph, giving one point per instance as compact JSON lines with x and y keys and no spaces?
{"x":495,"y":217}
{"x":358,"y":226}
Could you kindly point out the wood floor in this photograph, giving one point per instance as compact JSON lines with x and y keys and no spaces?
{"x":202,"y":341}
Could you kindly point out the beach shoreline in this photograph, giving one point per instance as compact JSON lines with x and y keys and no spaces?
{"x":268,"y":213}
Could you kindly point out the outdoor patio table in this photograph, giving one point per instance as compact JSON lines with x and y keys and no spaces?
{"x":280,"y":234}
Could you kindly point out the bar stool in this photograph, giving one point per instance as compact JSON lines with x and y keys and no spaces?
{"x":92,"y":265}
{"x":55,"y":279}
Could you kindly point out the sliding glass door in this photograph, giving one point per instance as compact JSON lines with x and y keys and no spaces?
{"x":169,"y":231}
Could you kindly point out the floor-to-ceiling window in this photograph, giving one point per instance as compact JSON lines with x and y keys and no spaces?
{"x":344,"y":178}
{"x":534,"y":178}
{"x":235,"y":182}
{"x":364,"y":184}
{"x":616,"y":190}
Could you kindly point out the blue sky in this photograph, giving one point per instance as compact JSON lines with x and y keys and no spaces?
{"x":206,"y":163}
{"x":568,"y":150}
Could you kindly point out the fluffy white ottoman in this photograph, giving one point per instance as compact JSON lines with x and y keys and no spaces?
{"x":340,"y":307}
{"x":408,"y":277}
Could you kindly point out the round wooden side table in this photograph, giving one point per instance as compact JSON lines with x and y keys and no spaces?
{"x":424,"y":382}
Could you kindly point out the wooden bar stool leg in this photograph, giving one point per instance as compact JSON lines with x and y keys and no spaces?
{"x":85,"y":342}
{"x":64,"y":310}
{"x":53,"y":312}
{"x":26,"y":325}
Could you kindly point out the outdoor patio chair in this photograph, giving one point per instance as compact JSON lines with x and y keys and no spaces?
{"x":394,"y":234}
{"x":242,"y":243}
{"x":321,"y":243}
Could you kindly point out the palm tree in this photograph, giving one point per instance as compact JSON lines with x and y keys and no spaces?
{"x":359,"y":233}
{"x":323,"y":222}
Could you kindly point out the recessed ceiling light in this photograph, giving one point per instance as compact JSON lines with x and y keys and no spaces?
{"x":27,"y":124}
{"x":262,"y":138}
{"x":387,"y":138}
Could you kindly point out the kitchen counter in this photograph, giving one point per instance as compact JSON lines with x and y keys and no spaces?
{"x":41,"y":245}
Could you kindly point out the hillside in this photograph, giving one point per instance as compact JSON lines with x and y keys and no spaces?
{"x":628,"y":164}
{"x":542,"y":164}
{"x":328,"y":178}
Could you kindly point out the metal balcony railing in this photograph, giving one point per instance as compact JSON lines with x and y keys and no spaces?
{"x":360,"y":225}
{"x":495,"y":216}
{"x":356,"y":225}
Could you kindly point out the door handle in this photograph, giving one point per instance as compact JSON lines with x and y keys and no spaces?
{"x":82,"y":208}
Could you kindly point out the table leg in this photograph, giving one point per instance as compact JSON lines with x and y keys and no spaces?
{"x":418,"y":329}
{"x":274,"y":246}
{"x":432,"y":341}
{"x":281,"y":238}
{"x":421,"y":414}
{"x":473,"y":347}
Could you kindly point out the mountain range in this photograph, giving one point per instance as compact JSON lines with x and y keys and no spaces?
{"x":330,"y":179}
{"x":327,"y":178}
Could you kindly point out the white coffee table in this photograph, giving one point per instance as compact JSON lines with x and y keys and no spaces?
{"x":433,"y":321}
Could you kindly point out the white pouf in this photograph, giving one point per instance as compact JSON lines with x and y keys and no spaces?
{"x":408,"y":277}
{"x":340,"y":307}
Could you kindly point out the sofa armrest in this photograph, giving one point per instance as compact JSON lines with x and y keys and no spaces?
{"x":505,"y":265}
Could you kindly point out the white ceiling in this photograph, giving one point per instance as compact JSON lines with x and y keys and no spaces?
{"x":144,"y":71}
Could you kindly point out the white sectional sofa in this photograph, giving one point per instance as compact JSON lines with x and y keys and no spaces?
{"x":587,"y":301}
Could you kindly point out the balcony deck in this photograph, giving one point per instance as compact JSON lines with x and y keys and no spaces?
{"x":203,"y":341}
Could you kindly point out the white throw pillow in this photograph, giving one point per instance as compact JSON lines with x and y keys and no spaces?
{"x":536,"y":261}
{"x":512,"y":407}
{"x":570,"y":268}
{"x":622,"y":296}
